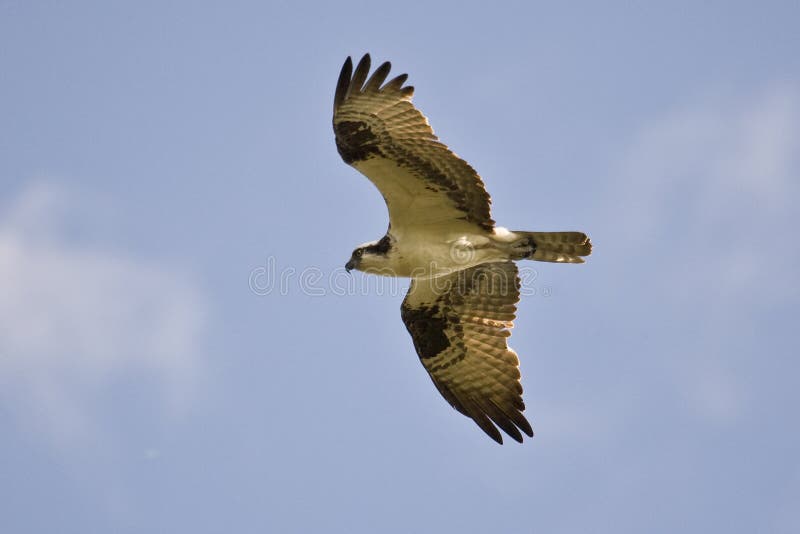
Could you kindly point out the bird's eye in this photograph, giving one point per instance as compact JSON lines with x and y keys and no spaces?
{"x":359,"y":252}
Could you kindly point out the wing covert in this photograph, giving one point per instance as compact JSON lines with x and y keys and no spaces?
{"x":380,"y":133}
{"x":459,"y":324}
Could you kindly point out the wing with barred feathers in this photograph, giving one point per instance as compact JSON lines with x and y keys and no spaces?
{"x":459,"y":324}
{"x":380,"y":133}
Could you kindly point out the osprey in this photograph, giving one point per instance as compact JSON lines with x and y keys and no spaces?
{"x":464,"y":288}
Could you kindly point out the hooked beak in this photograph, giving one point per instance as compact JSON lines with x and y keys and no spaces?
{"x":350,"y":265}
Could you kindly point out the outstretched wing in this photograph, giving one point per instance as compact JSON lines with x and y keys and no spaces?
{"x":380,"y":133}
{"x":459,"y":324}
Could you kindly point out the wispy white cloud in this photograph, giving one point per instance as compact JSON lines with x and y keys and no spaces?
{"x":706,"y":201}
{"x":716,"y":161}
{"x":714,"y":185}
{"x":74,"y":319}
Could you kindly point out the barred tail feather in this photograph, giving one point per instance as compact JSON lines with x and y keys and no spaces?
{"x":559,"y":247}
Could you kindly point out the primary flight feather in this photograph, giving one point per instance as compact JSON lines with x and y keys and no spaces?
{"x":462,"y":301}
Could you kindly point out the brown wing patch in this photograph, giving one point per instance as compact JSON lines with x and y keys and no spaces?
{"x":459,"y":324}
{"x":378,"y":124}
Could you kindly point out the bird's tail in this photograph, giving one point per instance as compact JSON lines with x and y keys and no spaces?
{"x":559,"y":247}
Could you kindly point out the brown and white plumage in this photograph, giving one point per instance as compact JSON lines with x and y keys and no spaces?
{"x":381,"y":133}
{"x":459,"y":324}
{"x":461,"y":304}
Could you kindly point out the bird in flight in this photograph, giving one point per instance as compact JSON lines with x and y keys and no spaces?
{"x":464,"y":289}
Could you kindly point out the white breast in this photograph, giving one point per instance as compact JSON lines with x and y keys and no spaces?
{"x":420,"y":257}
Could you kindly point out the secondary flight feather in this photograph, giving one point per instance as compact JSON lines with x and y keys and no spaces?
{"x":462,"y":301}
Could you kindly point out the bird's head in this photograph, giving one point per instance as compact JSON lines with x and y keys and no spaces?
{"x":371,"y":258}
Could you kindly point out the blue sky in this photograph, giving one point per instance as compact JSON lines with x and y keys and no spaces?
{"x":155,"y":158}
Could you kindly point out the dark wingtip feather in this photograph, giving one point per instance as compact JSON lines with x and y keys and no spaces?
{"x":520,"y":420}
{"x":360,"y":74}
{"x":491,"y":431}
{"x":350,"y":80}
{"x":396,"y":83}
{"x":378,"y":77}
{"x":501,"y":419}
{"x":475,"y":413}
{"x":507,"y":426}
{"x":525,"y":426}
{"x":343,"y":83}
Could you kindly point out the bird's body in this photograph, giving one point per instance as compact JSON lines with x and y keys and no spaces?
{"x":432,"y":252}
{"x":462,"y":301}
